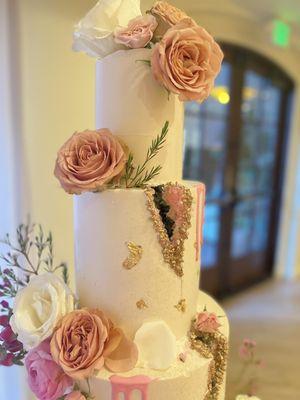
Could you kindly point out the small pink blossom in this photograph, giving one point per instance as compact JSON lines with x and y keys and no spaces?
{"x":138,"y":33}
{"x":246,"y":350}
{"x":76,"y":395}
{"x":207,"y":322}
{"x":46,"y":378}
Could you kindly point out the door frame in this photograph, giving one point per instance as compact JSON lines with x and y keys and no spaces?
{"x":222,"y":281}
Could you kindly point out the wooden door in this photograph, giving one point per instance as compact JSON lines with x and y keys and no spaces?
{"x":235,"y":144}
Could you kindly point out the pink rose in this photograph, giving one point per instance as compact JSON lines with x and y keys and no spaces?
{"x":89,"y":160}
{"x":46,"y":379}
{"x":138,"y":33}
{"x":186,"y":61}
{"x":167,"y":12}
{"x":207,"y":322}
{"x":94,"y":341}
{"x":76,"y":395}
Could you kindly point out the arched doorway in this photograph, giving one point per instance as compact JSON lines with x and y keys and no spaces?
{"x":235,"y":143}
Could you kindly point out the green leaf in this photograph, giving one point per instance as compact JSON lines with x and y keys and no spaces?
{"x":142,"y":175}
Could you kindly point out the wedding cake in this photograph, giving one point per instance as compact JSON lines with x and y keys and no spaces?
{"x":141,"y":330}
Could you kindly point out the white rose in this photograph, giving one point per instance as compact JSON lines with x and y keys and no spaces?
{"x":246,"y":397}
{"x":94,"y":33}
{"x":38,"y":308}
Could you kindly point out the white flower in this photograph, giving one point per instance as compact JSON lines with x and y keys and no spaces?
{"x":246,"y":397}
{"x":94,"y":33}
{"x":38,"y":308}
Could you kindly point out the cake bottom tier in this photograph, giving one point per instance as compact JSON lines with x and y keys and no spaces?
{"x":187,"y":380}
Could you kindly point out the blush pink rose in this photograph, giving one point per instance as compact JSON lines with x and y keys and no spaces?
{"x":138,"y":33}
{"x":186,"y":61}
{"x":168,"y":13}
{"x":86,"y":340}
{"x":166,"y":16}
{"x":207,"y":322}
{"x":76,"y":395}
{"x":46,"y":379}
{"x":89,"y":160}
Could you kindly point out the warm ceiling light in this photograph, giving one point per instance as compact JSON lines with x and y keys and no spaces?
{"x":224,"y":98}
{"x":221,"y":94}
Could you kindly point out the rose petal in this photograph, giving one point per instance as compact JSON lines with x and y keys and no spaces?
{"x":124,"y":356}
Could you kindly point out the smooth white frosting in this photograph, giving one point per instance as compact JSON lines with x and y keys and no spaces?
{"x":104,"y":223}
{"x":135,"y":107}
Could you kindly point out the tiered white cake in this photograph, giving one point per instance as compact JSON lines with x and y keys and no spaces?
{"x":134,"y":107}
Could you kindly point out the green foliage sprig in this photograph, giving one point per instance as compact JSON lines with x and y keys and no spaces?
{"x":31,"y":252}
{"x":139,"y":176}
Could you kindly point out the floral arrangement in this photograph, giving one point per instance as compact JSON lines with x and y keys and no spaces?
{"x":92,"y":161}
{"x":185,"y":58}
{"x":43,"y":328}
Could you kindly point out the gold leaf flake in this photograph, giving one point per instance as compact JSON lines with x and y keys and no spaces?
{"x":181,"y":306}
{"x":141,"y":304}
{"x":135,"y":255}
{"x":172,"y":250}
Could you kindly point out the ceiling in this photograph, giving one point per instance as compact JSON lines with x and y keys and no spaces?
{"x":262,"y":9}
{"x":259,"y":10}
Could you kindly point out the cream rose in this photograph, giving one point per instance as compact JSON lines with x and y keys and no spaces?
{"x":138,"y":33}
{"x":94,"y":33}
{"x":89,"y":160}
{"x":186,"y":61}
{"x":38,"y":308}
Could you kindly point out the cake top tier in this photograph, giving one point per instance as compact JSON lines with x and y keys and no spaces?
{"x":147,"y":64}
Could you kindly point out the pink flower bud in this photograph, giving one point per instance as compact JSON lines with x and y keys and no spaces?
{"x":4,"y":320}
{"x":7,"y":335}
{"x":4,"y":304}
{"x":6,"y":360}
{"x":14,"y":347}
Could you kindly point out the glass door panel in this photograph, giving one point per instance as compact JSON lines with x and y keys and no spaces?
{"x":234,"y":143}
{"x":205,"y":148}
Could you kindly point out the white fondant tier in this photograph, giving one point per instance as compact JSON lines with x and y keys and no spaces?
{"x":135,"y":107}
{"x":104,"y":223}
{"x":182,"y":381}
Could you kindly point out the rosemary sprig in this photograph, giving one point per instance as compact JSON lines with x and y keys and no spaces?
{"x":138,"y":177}
{"x":129,"y":169}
